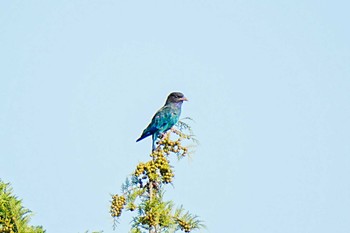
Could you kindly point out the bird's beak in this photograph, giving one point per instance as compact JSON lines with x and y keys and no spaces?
{"x":183,"y":99}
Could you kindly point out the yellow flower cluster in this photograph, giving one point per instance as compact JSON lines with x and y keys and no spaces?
{"x":117,"y":205}
{"x":139,"y":169}
{"x":6,"y":226}
{"x":158,"y":167}
{"x":168,"y":146}
{"x":186,"y":227}
{"x":151,"y":219}
{"x":149,"y":169}
{"x":163,"y":165}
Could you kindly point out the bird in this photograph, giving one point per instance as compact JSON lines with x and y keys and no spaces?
{"x":165,"y":118}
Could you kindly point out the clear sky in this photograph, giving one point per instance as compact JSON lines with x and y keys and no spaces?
{"x":269,"y":90}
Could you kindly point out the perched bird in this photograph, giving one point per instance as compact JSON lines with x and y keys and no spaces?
{"x":165,"y":118}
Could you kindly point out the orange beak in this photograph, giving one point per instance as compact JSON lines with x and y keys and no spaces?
{"x":183,"y":99}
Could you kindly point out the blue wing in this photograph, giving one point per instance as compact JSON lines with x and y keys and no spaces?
{"x":162,"y":121}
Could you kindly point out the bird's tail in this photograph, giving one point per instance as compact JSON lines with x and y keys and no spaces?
{"x":144,"y":135}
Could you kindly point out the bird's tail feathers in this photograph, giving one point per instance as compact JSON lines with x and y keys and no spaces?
{"x":143,"y":136}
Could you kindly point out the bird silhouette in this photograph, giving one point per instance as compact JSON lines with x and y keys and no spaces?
{"x":165,"y":118}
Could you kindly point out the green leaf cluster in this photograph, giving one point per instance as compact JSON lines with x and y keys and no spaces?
{"x":13,"y":216}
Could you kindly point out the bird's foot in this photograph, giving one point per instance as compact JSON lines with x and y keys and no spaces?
{"x":162,"y":136}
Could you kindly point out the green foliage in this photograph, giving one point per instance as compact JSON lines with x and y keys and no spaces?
{"x":143,"y":191}
{"x":13,"y":216}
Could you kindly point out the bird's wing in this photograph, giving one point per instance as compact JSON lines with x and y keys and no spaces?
{"x":165,"y":118}
{"x":161,"y":118}
{"x":161,"y":122}
{"x":158,"y":122}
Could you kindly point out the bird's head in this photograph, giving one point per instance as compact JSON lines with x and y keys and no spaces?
{"x":176,"y":97}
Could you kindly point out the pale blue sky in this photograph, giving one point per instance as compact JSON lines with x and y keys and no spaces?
{"x":268,"y":83}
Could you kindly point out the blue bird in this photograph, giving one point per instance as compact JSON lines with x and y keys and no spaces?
{"x":165,"y":118}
